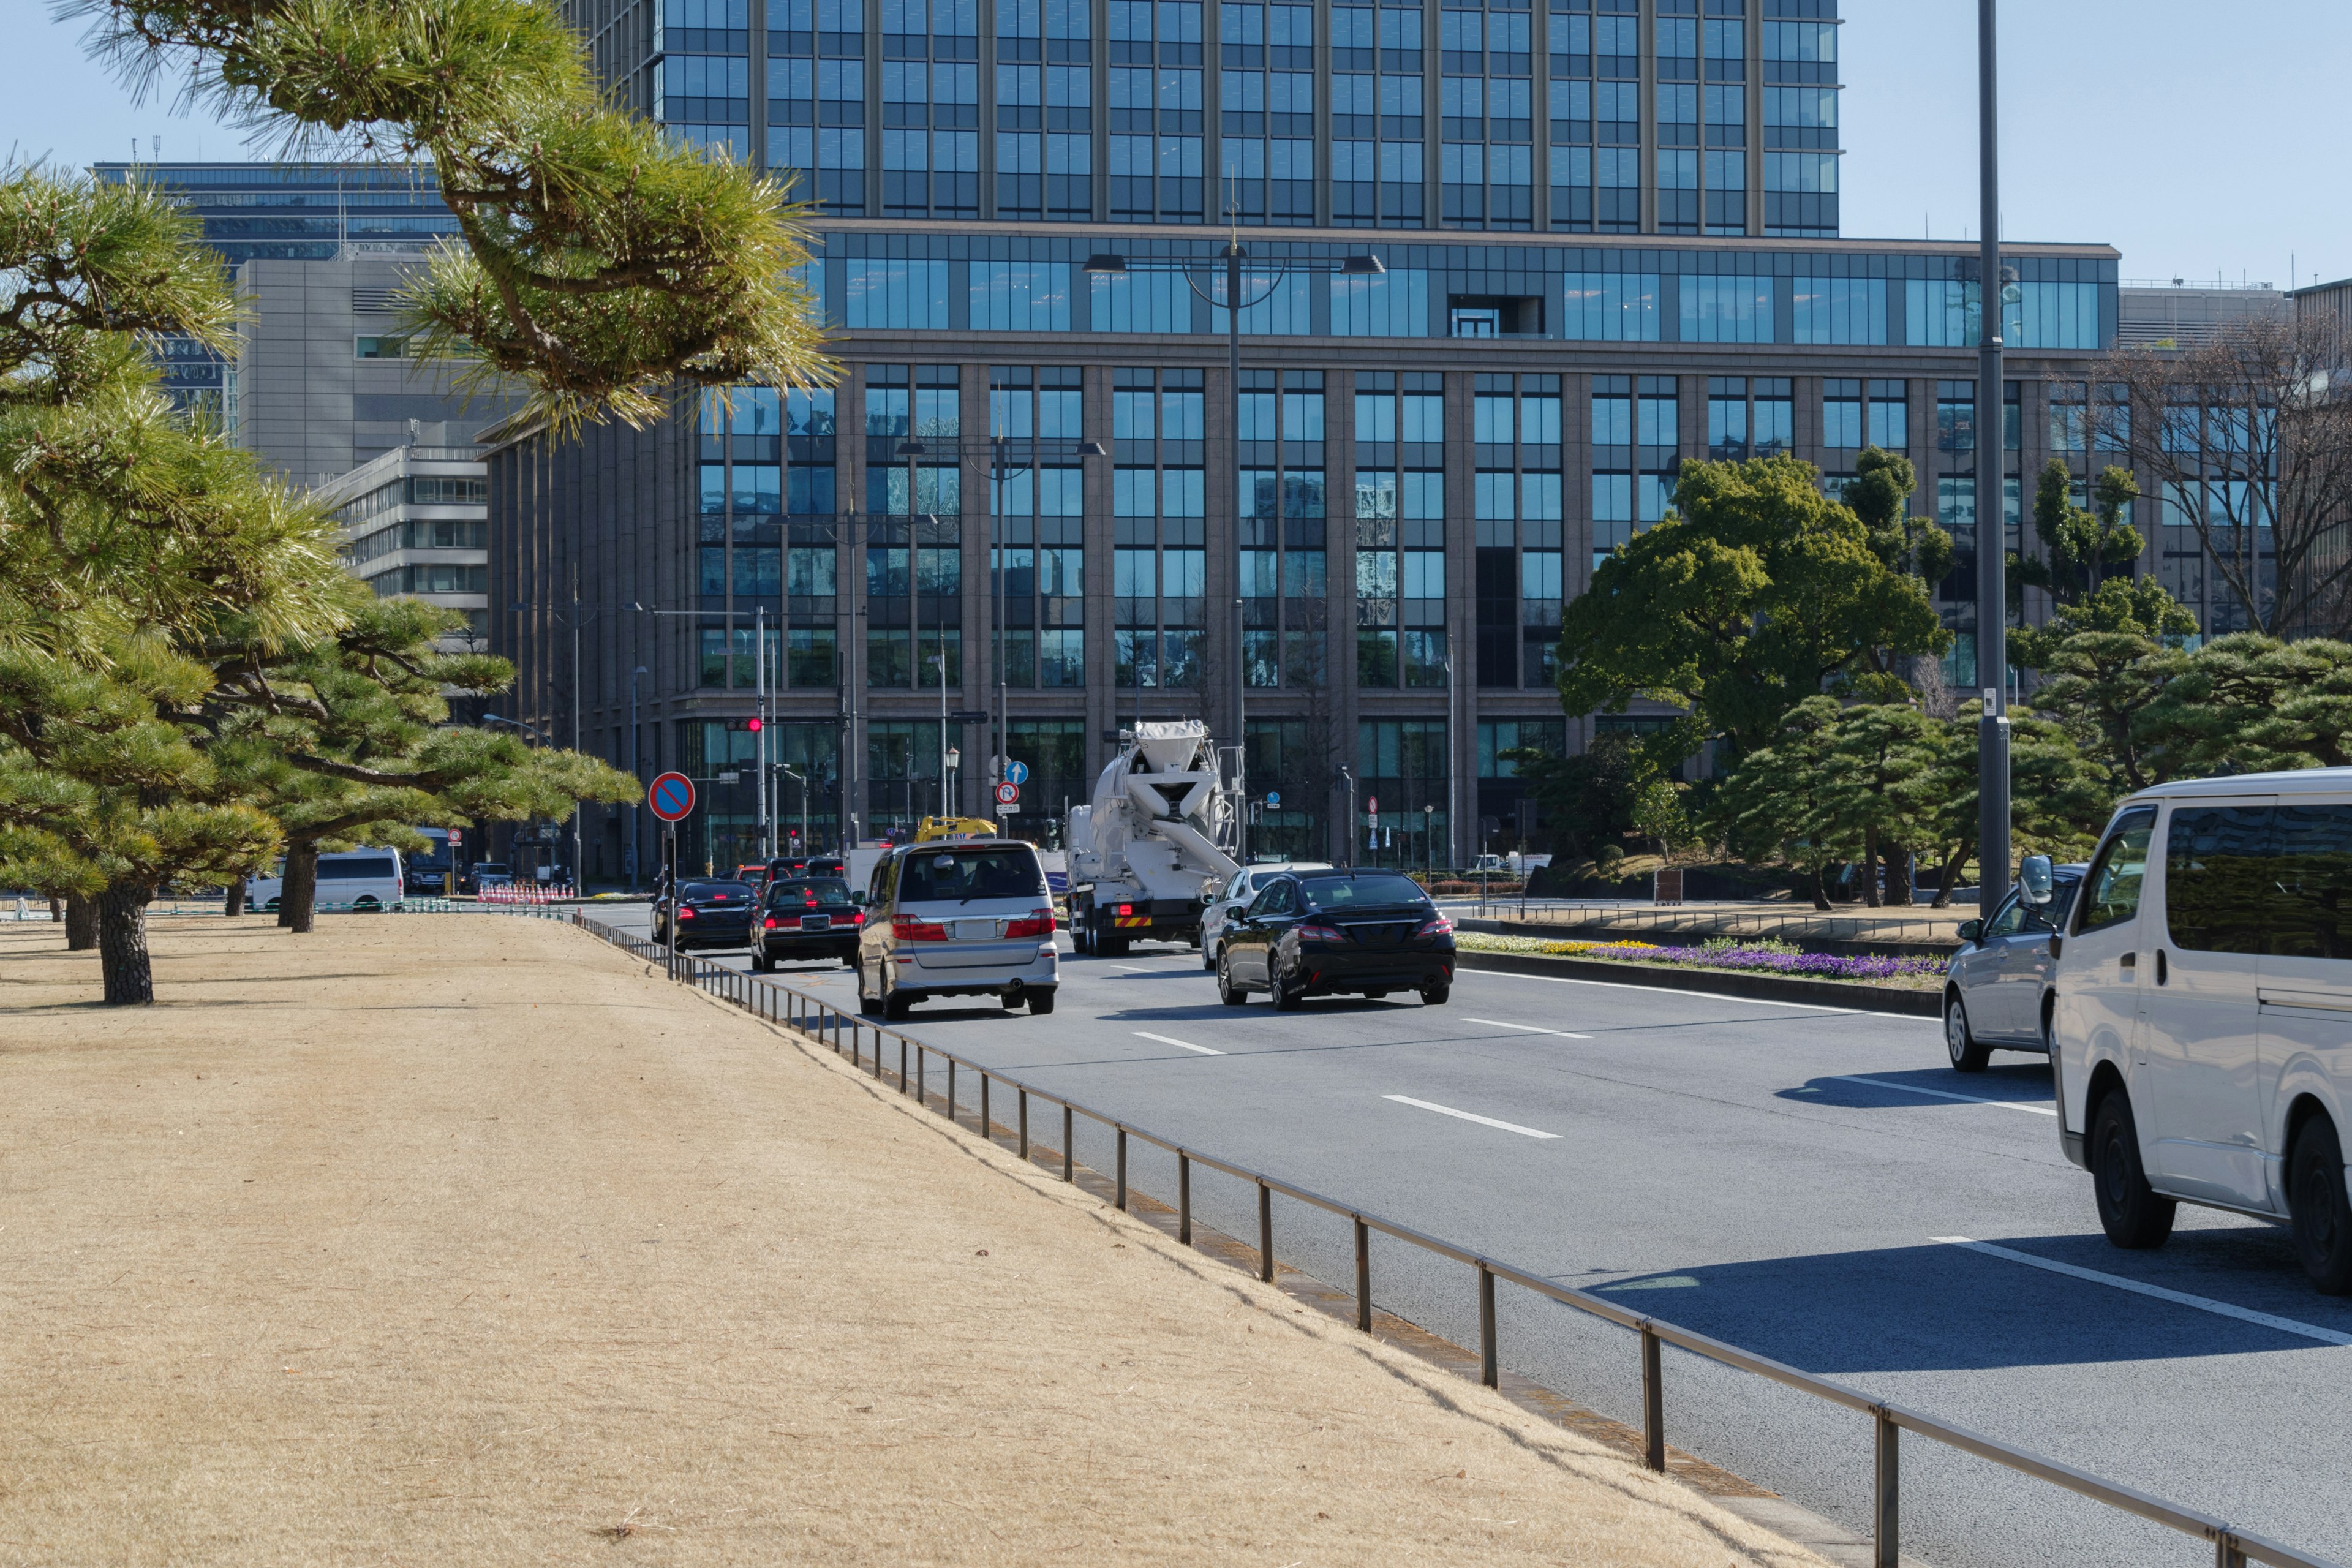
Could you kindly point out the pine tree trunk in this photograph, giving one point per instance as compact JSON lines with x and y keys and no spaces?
{"x":234,"y":905}
{"x":1820,"y":889}
{"x":1951,"y":877}
{"x":1870,"y":866}
{"x":298,"y":893}
{"x":123,"y":946}
{"x":81,"y":923}
{"x":1898,"y":876}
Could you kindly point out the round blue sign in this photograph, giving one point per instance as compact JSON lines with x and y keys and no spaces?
{"x":1272,"y":797}
{"x":671,"y":796}
{"x":1016,"y":773}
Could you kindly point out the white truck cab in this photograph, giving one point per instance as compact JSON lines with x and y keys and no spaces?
{"x":2200,"y":1010}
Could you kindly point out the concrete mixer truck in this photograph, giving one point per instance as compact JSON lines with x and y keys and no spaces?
{"x":1144,"y":856}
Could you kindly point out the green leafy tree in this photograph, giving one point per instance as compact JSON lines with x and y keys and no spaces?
{"x":1780,"y":801}
{"x":1877,"y":752}
{"x":349,"y":741}
{"x":600,"y":261}
{"x":2133,"y":606}
{"x":1753,"y":596}
{"x":1588,"y":798}
{"x":2249,"y":703}
{"x":2101,"y":686}
{"x":1880,"y":495}
{"x":2080,"y":546}
{"x":2060,"y":796}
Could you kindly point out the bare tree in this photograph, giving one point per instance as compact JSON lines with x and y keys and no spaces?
{"x":2250,"y":436}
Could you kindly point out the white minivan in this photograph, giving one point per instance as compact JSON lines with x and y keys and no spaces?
{"x":348,"y":880}
{"x":2201,"y":1010}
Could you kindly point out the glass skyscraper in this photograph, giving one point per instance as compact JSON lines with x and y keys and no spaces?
{"x":1610,"y":240}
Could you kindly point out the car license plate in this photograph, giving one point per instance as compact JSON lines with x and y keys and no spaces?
{"x":816,"y":922}
{"x":975,"y":931}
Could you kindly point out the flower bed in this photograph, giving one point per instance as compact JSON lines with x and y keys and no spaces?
{"x":1766,"y":957}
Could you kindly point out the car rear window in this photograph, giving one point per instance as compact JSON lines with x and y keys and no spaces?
{"x":1376,"y":888}
{"x":963,"y":873}
{"x":716,"y":893}
{"x":810,"y":890}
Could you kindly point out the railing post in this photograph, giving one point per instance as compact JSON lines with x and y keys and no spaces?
{"x":1363,"y":1275}
{"x":1183,"y":1200}
{"x":1489,"y":1373}
{"x":921,"y":1056}
{"x":1887,"y":1512}
{"x":1069,"y":1160}
{"x":987,"y":1127}
{"x":902,"y":1057}
{"x":1024,"y":1125}
{"x":1122,"y":1169}
{"x":1265,"y":1233}
{"x":1654,"y":1401}
{"x":952,"y":1098}
{"x":2227,"y":1553}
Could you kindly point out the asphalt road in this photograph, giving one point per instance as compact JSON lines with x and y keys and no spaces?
{"x":1786,"y":1178}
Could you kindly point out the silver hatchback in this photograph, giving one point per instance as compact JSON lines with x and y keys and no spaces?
{"x":970,"y":918}
{"x":1994,"y":990}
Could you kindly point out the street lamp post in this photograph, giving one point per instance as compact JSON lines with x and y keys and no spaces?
{"x":802,"y":779}
{"x":1992,"y":592}
{"x":1349,"y":775}
{"x":1113,"y":265}
{"x":638,"y":773}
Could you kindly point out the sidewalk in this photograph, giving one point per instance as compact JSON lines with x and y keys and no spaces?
{"x":466,"y":1239}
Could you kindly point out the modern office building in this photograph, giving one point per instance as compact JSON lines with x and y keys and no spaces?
{"x":321,"y":382}
{"x":416,"y":522}
{"x":1375,"y":529}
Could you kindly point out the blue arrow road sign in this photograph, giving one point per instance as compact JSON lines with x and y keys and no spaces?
{"x":1272,"y":797}
{"x":1016,"y":773}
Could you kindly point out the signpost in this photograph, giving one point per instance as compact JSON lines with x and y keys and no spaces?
{"x":670,"y":797}
{"x":1008,"y":793}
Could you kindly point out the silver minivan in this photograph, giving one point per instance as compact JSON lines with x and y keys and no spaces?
{"x":970,"y":918}
{"x":2202,"y":1011}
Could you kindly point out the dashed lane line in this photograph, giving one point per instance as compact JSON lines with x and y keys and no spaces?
{"x":1946,"y":1094}
{"x":1470,"y":1116}
{"x":1179,"y":1044}
{"x":1528,"y":1028}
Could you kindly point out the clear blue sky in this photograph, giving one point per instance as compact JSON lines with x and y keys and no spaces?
{"x":2195,"y":138}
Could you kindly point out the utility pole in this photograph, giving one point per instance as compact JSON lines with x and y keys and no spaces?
{"x":1233,"y":439}
{"x":1991,"y":527}
{"x":760,"y":724}
{"x":638,"y":773}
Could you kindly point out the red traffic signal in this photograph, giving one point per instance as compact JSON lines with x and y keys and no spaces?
{"x":755,"y":726}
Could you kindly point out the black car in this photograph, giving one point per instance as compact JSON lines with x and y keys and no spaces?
{"x":710,"y":913}
{"x":1321,"y":933}
{"x":808,"y":917}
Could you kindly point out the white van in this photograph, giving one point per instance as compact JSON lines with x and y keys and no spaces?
{"x":2201,"y":1010}
{"x":348,"y":880}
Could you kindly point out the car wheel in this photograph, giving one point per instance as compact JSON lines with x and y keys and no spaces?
{"x":2321,"y":1219}
{"x":864,"y":1003}
{"x":1435,"y":995}
{"x":1041,"y":1001}
{"x":1231,"y":994}
{"x":1115,"y":947}
{"x":896,"y":1005}
{"x":1967,"y":1054}
{"x":761,"y":962}
{"x":2130,"y":1211}
{"x":1208,"y":957}
{"x":1286,"y":1000}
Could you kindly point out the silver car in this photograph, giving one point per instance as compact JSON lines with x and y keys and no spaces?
{"x":1235,"y":896}
{"x":1994,"y":990}
{"x":970,"y":918}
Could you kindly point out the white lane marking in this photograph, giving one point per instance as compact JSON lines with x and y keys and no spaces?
{"x":1529,"y":1028}
{"x":1946,"y":1094}
{"x":2179,"y":1298}
{"x":1179,"y":1044}
{"x":1708,"y":995}
{"x":1467,"y":1116}
{"x":1135,"y":969}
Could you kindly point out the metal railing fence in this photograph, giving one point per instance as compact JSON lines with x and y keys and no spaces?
{"x":821,"y":1020}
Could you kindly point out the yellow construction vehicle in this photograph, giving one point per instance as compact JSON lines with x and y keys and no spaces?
{"x":933,"y":829}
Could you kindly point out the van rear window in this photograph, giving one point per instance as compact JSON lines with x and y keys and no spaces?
{"x":959,"y":874}
{"x":2262,"y":880}
{"x":355,"y":871}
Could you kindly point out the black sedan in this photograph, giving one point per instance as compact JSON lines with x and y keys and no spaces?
{"x":709,"y":913}
{"x":1321,"y":933}
{"x":808,"y":917}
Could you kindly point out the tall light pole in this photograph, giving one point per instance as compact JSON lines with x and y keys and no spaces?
{"x":1112,"y":264}
{"x":637,"y":772}
{"x":1991,"y":530}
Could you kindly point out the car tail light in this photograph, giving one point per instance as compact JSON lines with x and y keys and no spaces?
{"x":1126,"y":909}
{"x":771,"y":922}
{"x":1316,"y":930}
{"x":906,"y":928}
{"x":858,"y":918}
{"x":1436,"y":925}
{"x":684,"y":913}
{"x":1036,"y":922}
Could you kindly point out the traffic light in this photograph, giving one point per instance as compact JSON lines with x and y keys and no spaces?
{"x":753,"y":726}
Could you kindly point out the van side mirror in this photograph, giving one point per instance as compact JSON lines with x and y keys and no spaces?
{"x":2034,"y":880}
{"x":1971,"y":931}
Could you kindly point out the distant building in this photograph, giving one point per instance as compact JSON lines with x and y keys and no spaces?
{"x":2183,"y":315}
{"x":321,"y":382}
{"x":416,"y":522}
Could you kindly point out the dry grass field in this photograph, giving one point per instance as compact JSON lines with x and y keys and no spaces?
{"x":468,"y":1240}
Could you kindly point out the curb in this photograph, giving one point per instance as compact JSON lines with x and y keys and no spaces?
{"x":1840,"y":993}
{"x":1691,"y":936}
